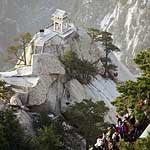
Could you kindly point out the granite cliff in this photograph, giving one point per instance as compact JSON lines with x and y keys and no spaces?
{"x":42,"y":84}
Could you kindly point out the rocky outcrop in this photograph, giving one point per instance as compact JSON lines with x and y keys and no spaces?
{"x":15,"y":101}
{"x":46,"y":64}
{"x":3,"y":106}
{"x":72,"y":140}
{"x":43,"y":85}
{"x":129,"y":23}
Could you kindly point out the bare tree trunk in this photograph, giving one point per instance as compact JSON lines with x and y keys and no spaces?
{"x":106,"y":60}
{"x":24,"y":51}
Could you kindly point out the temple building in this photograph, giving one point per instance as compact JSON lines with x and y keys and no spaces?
{"x":53,"y":38}
{"x":48,"y":39}
{"x":60,"y":21}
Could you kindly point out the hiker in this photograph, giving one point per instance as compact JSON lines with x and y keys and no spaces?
{"x":110,"y":132}
{"x":99,"y":144}
{"x":121,"y":129}
{"x":118,"y":119}
{"x":115,"y":138}
{"x":132,"y":120}
{"x":105,"y":141}
{"x":125,"y":131}
{"x":137,"y":130}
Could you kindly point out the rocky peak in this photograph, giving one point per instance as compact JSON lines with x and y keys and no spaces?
{"x":43,"y":85}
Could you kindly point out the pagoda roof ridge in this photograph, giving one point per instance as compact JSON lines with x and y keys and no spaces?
{"x":60,"y":13}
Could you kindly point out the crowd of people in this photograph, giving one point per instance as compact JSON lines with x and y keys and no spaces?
{"x":126,"y":129}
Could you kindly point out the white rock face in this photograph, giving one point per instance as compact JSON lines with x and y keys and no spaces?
{"x":55,"y":95}
{"x":103,"y":90}
{"x":22,"y":71}
{"x":46,"y":64}
{"x":38,"y":94}
{"x":21,"y":81}
{"x":129,"y":23}
{"x":77,"y":91}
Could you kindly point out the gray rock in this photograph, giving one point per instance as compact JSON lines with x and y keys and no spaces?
{"x":14,"y":100}
{"x":46,"y":64}
{"x":38,"y":94}
{"x":3,"y":106}
{"x":77,"y":91}
{"x":25,"y":121}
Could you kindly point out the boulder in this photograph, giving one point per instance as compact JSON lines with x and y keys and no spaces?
{"x":25,"y":121}
{"x":3,"y":106}
{"x":77,"y":91}
{"x":74,"y":141}
{"x":15,"y":101}
{"x":38,"y":94}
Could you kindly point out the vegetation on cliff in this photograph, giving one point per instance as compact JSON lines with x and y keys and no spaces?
{"x":135,"y":99}
{"x":87,"y":118}
{"x":107,"y":42}
{"x":79,"y":69}
{"x":17,"y":51}
{"x":5,"y":91}
{"x":135,"y":95}
{"x":140,"y":144}
{"x":12,"y":136}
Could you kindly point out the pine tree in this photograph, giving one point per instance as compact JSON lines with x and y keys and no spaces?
{"x":106,"y":39}
{"x":136,"y":94}
{"x":82,"y":70}
{"x":12,"y":136}
{"x":19,"y":47}
{"x":88,"y":119}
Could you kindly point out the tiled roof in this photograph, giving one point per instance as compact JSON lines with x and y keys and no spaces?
{"x":60,"y":13}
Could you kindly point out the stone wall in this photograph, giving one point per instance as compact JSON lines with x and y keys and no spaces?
{"x":46,"y":64}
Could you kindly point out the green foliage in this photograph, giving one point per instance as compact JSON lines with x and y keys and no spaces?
{"x":82,"y":70}
{"x":40,"y":121}
{"x":48,"y":139}
{"x":5,"y":91}
{"x":140,"y":144}
{"x":12,"y":136}
{"x":106,"y":39}
{"x":47,"y":133}
{"x":143,"y":61}
{"x":136,"y":94}
{"x":88,"y":118}
{"x":19,"y":47}
{"x":93,"y":33}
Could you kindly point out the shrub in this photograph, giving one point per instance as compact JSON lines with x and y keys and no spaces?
{"x":82,"y":70}
{"x":47,"y":133}
{"x":12,"y":136}
{"x":5,"y":91}
{"x":140,"y":144}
